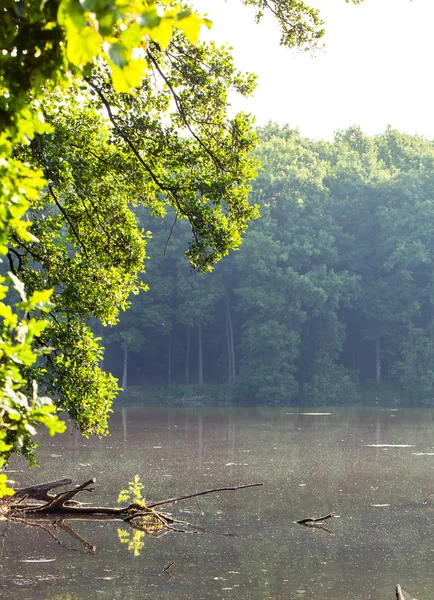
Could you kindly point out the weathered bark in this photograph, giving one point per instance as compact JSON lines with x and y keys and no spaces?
{"x":51,"y":515}
{"x":59,"y":501}
{"x":41,"y":491}
{"x":200,"y":353}
{"x":62,"y":503}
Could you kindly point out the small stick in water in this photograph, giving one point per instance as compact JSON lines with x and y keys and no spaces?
{"x":316,"y":519}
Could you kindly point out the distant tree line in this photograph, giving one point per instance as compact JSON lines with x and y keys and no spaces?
{"x":331,"y":291}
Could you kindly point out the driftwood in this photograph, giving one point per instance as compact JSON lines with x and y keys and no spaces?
{"x":313,"y":520}
{"x":41,"y":491}
{"x":62,"y":503}
{"x":51,"y":514}
{"x":316,"y":523}
{"x":141,"y":516}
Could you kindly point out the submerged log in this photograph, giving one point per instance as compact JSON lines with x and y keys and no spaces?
{"x":63,"y":504}
{"x":51,"y":514}
{"x":41,"y":490}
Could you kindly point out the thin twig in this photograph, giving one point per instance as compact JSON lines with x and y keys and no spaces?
{"x":223,"y":489}
{"x":124,"y":136}
{"x":316,"y":519}
{"x":182,"y":112}
{"x":71,"y":224}
{"x":170,"y":235}
{"x":39,"y":526}
{"x":167,"y":569}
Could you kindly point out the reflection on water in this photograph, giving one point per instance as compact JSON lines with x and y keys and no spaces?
{"x":372,"y":468}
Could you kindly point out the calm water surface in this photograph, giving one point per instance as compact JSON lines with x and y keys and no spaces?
{"x":347,"y":461}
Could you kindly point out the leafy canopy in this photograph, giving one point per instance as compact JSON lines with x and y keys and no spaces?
{"x":136,"y":61}
{"x":44,"y":46}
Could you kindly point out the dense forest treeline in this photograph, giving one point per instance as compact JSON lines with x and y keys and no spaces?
{"x":331,"y":291}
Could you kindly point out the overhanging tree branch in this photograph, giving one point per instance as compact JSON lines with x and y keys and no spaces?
{"x":181,"y":111}
{"x":65,"y":214}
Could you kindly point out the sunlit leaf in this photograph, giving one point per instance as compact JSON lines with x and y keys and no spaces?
{"x":83,"y":46}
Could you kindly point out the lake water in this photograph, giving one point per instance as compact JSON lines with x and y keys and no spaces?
{"x":372,"y":467}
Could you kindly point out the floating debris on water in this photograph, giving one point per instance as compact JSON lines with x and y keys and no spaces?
{"x":389,"y":445}
{"x":37,"y":560}
{"x":423,"y":453}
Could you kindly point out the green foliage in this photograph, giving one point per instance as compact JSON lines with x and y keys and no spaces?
{"x":332,"y":288}
{"x":133,"y":539}
{"x":77,"y":171}
{"x":300,"y":24}
{"x":4,"y":489}
{"x":20,"y":415}
{"x":44,"y":45}
{"x":133,"y":493}
{"x":104,"y":107}
{"x":415,"y":372}
{"x":267,"y":371}
{"x":330,"y":384}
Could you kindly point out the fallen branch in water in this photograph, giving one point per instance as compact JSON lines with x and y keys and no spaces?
{"x":212,"y":491}
{"x":64,"y":505}
{"x":56,"y":509}
{"x":316,"y":519}
{"x":41,"y":490}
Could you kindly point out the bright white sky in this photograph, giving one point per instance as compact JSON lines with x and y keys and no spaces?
{"x":377,"y":67}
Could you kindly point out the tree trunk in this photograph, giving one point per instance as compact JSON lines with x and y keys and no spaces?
{"x":125,"y":370}
{"x":230,"y":340}
{"x":200,"y":354}
{"x":378,"y":359}
{"x":320,"y":336}
{"x":169,"y":360}
{"x":410,"y":329}
{"x":187,"y":357}
{"x":228,"y":351}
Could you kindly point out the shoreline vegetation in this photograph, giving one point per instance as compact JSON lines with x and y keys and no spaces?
{"x":179,"y":395}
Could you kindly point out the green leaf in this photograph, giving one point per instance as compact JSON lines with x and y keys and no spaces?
{"x":129,"y":77}
{"x":8,"y":315}
{"x":119,"y":54}
{"x":4,"y":490}
{"x":83,"y":46}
